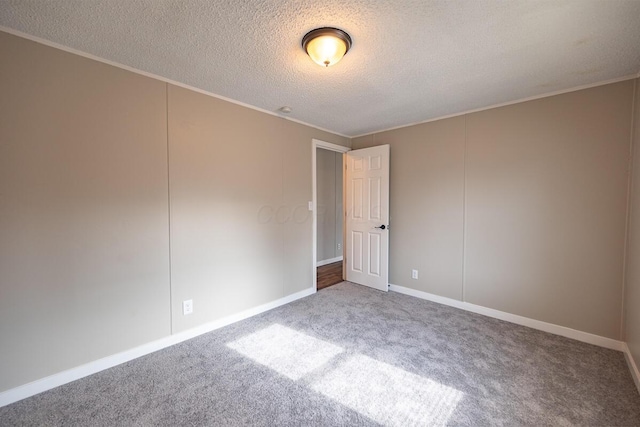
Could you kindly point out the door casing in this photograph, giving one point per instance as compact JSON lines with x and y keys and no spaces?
{"x":316,"y":143}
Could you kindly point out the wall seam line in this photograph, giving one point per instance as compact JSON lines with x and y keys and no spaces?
{"x":169,"y":208}
{"x":335,"y":204}
{"x":628,"y":212}
{"x":283,"y":231}
{"x":464,"y":212}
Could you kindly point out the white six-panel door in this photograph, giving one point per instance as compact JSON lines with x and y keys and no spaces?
{"x":367,"y":217}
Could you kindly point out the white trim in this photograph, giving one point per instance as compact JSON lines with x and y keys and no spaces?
{"x":157,"y":77}
{"x":328,"y":261}
{"x":64,"y":377}
{"x":514,"y":318}
{"x":504,"y":104}
{"x":314,"y":216}
{"x":329,"y":146}
{"x":628,"y":211}
{"x":632,"y":365}
{"x":315,"y":144}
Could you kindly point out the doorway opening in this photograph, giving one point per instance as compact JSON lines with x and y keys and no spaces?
{"x":329,"y":275}
{"x":328,"y":214}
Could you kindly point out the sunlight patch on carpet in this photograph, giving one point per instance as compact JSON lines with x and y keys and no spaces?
{"x":387,"y":394}
{"x":286,"y":351}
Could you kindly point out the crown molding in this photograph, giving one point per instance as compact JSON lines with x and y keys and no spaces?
{"x":157,"y":77}
{"x":504,"y":104}
{"x":275,"y":114}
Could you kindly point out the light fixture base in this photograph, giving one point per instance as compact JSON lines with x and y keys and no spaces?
{"x":315,"y":52}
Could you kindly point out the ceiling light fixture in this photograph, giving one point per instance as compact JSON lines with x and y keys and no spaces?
{"x":326,"y":46}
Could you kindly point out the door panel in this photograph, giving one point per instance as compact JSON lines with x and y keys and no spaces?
{"x":374,"y":199}
{"x":357,"y":198}
{"x":374,"y":254}
{"x":367,"y":210}
{"x":357,"y":251}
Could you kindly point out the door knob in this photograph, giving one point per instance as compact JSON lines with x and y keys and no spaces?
{"x":382,"y":227}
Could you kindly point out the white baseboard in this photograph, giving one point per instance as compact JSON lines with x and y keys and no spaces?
{"x":328,"y":261}
{"x":55,"y":380}
{"x":64,"y":377}
{"x":632,"y":366}
{"x":514,"y":318}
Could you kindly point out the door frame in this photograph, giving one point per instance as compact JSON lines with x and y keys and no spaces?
{"x":315,"y":144}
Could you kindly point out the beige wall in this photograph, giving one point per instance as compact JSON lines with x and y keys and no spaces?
{"x":426,"y":189}
{"x":520,"y":208}
{"x":240,"y":182}
{"x":84,"y":209}
{"x":84,"y":242}
{"x":632,"y":285}
{"x":536,"y":191}
{"x":329,"y":200}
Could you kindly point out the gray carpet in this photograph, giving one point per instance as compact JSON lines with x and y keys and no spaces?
{"x":349,"y":355}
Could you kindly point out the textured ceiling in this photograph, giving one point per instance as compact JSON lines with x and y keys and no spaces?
{"x":411,"y":60}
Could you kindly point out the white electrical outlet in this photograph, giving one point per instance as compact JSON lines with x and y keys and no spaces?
{"x":414,"y":274}
{"x":187,"y":307}
{"x":339,"y":246}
